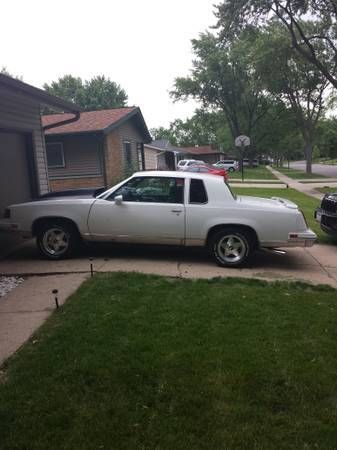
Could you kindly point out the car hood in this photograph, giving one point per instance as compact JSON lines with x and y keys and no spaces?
{"x":260,"y":202}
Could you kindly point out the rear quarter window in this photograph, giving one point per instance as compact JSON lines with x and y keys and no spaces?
{"x":198,"y":194}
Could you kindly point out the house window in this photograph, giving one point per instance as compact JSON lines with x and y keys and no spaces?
{"x":128,"y":153}
{"x":140,"y":155}
{"x":55,"y":155}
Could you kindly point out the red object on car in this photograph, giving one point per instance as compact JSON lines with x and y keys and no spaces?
{"x":203,"y":168}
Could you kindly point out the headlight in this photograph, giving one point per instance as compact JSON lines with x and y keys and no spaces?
{"x":7,"y":213}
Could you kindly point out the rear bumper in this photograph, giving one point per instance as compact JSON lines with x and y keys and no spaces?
{"x":297,"y":239}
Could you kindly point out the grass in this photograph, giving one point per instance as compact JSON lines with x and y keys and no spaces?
{"x":144,"y":362}
{"x":253,"y":173}
{"x":306,"y":203}
{"x":298,"y":174}
{"x":328,"y":161}
{"x":324,"y":190}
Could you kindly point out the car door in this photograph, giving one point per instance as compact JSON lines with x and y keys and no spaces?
{"x":145,"y":209}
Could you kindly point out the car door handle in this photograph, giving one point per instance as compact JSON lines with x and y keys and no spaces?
{"x":177,"y":211}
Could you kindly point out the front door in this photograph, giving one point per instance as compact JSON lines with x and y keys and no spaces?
{"x":145,"y":209}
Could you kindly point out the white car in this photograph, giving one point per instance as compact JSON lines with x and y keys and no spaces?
{"x":229,"y":164}
{"x":178,"y":208}
{"x":184,"y":163}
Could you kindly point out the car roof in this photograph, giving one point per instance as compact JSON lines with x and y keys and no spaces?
{"x":178,"y":174}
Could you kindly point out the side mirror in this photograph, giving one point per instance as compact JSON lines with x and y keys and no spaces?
{"x":118,"y":199}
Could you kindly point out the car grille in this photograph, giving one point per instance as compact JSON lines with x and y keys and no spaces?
{"x":329,"y":203}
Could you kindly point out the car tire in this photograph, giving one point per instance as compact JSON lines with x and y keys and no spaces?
{"x":231,"y":169}
{"x":57,"y":240}
{"x":231,"y":247}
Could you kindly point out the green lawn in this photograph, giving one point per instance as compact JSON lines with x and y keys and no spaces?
{"x":306,"y":203}
{"x":144,"y":362}
{"x":328,"y":161}
{"x":254,"y":173}
{"x":324,"y":190}
{"x":298,"y":174}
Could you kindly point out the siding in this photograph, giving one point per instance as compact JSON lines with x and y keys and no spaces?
{"x":82,"y":156}
{"x":150,"y":158}
{"x":21,"y":113}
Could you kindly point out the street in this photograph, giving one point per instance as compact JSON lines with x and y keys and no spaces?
{"x":320,"y":169}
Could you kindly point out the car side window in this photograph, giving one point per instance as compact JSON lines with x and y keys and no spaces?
{"x":152,"y":190}
{"x":198,"y":192}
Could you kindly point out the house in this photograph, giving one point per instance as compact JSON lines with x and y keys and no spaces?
{"x":160,"y":155}
{"x":204,"y":152}
{"x":100,"y":149}
{"x":23,"y":168}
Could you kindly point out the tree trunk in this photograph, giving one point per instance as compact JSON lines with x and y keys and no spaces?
{"x":308,"y":155}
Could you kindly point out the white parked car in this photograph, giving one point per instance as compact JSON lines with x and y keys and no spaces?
{"x":184,"y":163}
{"x":178,"y":208}
{"x":229,"y":164}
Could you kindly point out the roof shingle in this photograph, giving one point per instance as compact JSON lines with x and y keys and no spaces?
{"x":89,"y":121}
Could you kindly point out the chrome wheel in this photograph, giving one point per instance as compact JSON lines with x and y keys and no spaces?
{"x":231,"y":248}
{"x":55,"y":241}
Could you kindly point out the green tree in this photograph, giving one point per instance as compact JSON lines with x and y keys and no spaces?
{"x":317,"y":45}
{"x":293,"y":80}
{"x":95,"y":94}
{"x":222,"y":79}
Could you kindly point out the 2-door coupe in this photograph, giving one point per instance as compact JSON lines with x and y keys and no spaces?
{"x":178,"y":208}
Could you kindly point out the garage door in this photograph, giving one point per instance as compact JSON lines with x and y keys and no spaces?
{"x":15,"y":186}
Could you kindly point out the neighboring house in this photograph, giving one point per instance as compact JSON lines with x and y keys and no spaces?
{"x":204,"y":152}
{"x":23,"y":168}
{"x":99,"y":149}
{"x":160,"y":155}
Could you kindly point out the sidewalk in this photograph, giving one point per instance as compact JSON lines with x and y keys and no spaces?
{"x":305,"y":188}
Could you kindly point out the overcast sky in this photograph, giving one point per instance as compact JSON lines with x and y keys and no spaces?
{"x":142,"y":45}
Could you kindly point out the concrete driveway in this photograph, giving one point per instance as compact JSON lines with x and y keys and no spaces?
{"x":314,"y":265}
{"x":321,"y":169}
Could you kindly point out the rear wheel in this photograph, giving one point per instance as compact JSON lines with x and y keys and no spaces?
{"x":57,"y":240}
{"x":231,"y":247}
{"x":231,"y":169}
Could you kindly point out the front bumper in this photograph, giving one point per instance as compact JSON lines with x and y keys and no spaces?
{"x":327,"y":220}
{"x":8,"y":226}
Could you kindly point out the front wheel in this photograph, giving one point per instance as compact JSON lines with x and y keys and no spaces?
{"x":231,"y":247}
{"x":57,"y":240}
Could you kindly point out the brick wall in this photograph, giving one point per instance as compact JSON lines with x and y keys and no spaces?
{"x":75,"y":183}
{"x":113,"y":158}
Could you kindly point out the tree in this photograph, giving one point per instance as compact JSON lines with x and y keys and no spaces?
{"x":298,"y":83}
{"x":318,"y":45}
{"x":222,"y":80}
{"x":203,"y":128}
{"x":95,"y":94}
{"x":5,"y":72}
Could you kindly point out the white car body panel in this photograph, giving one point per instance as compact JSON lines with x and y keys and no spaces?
{"x":276,"y":222}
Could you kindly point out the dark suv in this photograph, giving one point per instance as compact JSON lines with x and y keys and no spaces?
{"x":326,"y":215}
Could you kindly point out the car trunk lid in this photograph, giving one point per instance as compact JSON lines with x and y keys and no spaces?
{"x":273,"y":201}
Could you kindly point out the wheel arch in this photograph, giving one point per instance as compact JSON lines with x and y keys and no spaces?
{"x":41,"y":221}
{"x":247,"y":228}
